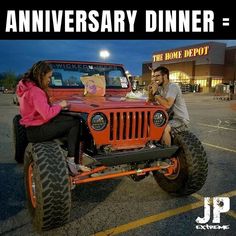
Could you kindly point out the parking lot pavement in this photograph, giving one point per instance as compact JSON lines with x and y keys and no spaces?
{"x":124,"y":207}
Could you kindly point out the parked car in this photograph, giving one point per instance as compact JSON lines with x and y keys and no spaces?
{"x":119,"y":136}
{"x":9,"y":91}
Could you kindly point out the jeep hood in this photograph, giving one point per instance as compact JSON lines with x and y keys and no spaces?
{"x":89,"y":104}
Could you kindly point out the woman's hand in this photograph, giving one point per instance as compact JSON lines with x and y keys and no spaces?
{"x":63,"y":104}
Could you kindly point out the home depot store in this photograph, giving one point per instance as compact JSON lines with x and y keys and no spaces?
{"x":206,"y":64}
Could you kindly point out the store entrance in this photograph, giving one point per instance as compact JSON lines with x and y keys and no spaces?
{"x":179,"y":77}
{"x":182,"y":79}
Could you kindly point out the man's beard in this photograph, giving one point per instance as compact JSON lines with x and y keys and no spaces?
{"x":161,"y":83}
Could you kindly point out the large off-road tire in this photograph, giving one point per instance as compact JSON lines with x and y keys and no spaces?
{"x":190,"y":170}
{"x":19,"y":139}
{"x":47,"y":185}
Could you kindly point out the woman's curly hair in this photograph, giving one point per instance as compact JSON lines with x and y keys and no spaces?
{"x":36,"y":73}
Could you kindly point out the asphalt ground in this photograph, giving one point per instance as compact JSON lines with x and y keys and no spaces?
{"x":121,"y":206}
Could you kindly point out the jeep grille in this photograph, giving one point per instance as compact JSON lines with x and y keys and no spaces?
{"x":129,"y":125}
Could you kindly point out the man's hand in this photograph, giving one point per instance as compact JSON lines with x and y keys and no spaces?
{"x":151,"y":90}
{"x":152,"y":87}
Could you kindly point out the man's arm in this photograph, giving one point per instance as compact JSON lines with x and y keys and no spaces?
{"x":170,"y":97}
{"x":166,"y":102}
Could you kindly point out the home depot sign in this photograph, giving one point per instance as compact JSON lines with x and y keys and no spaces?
{"x":180,"y":54}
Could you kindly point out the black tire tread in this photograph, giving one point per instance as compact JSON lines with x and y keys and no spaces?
{"x":196,"y":165}
{"x":52,"y":185}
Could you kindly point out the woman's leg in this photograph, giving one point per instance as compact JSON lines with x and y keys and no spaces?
{"x":73,"y":140}
{"x":58,"y":127}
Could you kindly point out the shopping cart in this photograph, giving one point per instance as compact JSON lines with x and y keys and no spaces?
{"x":222,"y":92}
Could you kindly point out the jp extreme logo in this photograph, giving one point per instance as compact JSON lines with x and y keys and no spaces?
{"x":220,"y":205}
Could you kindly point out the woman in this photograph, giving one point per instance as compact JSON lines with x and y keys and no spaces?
{"x":41,"y":119}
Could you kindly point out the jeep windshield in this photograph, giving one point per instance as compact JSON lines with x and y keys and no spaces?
{"x":68,"y":75}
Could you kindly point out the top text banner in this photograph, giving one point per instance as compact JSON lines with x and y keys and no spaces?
{"x":116,"y":24}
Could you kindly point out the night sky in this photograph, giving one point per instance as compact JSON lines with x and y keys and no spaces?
{"x":18,"y":55}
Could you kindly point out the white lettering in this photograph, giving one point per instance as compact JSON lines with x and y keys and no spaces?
{"x":47,"y":21}
{"x":131,"y":18}
{"x":106,"y":22}
{"x":57,"y":20}
{"x":205,"y":227}
{"x":11,"y":22}
{"x":220,"y":205}
{"x":184,"y":19}
{"x":161,"y":21}
{"x":94,"y":26}
{"x":119,"y":24}
{"x":151,"y":19}
{"x":68,"y":21}
{"x":208,"y":21}
{"x":24,"y":19}
{"x":195,"y":20}
{"x":207,"y":212}
{"x":37,"y":24}
{"x":81,"y":21}
{"x":170,"y":21}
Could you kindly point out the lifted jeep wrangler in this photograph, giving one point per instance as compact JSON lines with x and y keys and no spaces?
{"x":118,"y":137}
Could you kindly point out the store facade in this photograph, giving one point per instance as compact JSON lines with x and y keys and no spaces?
{"x":205,"y":64}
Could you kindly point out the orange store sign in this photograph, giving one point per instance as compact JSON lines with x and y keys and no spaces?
{"x":180,"y":54}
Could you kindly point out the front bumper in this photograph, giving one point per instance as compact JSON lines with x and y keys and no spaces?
{"x":127,"y":157}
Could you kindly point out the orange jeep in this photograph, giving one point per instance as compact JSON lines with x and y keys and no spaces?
{"x":119,"y":136}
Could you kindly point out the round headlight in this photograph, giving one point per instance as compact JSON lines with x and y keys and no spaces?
{"x":159,"y":119}
{"x":98,"y":121}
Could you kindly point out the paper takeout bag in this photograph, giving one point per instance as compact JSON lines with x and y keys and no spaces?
{"x":94,"y":85}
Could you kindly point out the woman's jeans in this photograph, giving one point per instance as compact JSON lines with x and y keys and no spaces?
{"x":58,"y":127}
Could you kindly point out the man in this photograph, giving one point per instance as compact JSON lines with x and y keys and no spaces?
{"x":168,"y":94}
